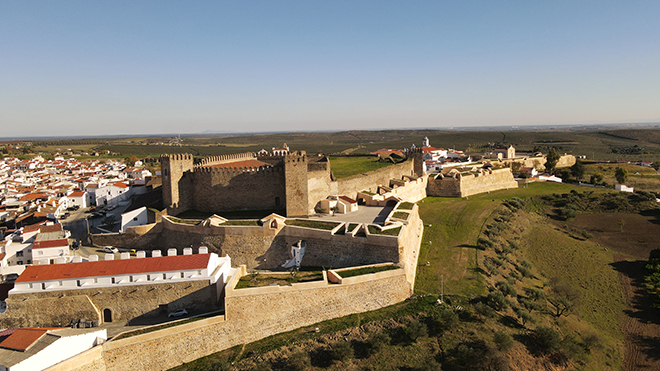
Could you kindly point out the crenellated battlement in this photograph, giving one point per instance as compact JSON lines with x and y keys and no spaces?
{"x":215,"y":160}
{"x":238,"y":170}
{"x":178,"y":156}
{"x":298,"y":156}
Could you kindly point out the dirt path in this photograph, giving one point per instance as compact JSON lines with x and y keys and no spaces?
{"x":641,"y":323}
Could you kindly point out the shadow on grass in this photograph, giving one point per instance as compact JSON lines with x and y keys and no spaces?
{"x":641,"y":303}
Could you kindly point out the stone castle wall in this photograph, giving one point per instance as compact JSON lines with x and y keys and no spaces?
{"x":251,"y":314}
{"x":58,"y":308}
{"x":259,"y":188}
{"x":258,"y":247}
{"x":470,"y":184}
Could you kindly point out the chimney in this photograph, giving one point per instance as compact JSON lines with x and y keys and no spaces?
{"x":155,"y":254}
{"x":187,"y":251}
{"x":203,"y":250}
{"x":141,"y":254}
{"x":171,"y":252}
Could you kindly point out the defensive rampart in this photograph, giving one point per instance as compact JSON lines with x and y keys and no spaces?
{"x":467,"y":184}
{"x":263,"y":247}
{"x":251,"y":314}
{"x":131,"y":302}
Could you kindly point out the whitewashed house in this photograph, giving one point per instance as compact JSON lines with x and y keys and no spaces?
{"x":36,"y":349}
{"x":112,"y":194}
{"x":134,"y":218}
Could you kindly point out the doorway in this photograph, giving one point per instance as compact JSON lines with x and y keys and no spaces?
{"x":107,"y":315}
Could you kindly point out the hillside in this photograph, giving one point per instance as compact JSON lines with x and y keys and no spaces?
{"x":523,"y":288}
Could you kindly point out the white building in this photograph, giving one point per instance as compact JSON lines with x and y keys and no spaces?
{"x":35,"y":349}
{"x":125,"y":272}
{"x":78,"y":198}
{"x":134,"y":218}
{"x":112,"y":194}
{"x":41,"y":243}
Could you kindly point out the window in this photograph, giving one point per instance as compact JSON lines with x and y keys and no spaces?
{"x":29,"y":261}
{"x":181,"y":274}
{"x":199,"y":272}
{"x":19,"y":254}
{"x":164,"y":276}
{"x":130,"y":278}
{"x":43,"y":285}
{"x":20,"y":262}
{"x":78,"y":283}
{"x":41,"y":252}
{"x":148,"y":277}
{"x":96,"y":280}
{"x":135,"y":219}
{"x":29,"y":285}
{"x":60,"y":282}
{"x":113,"y":280}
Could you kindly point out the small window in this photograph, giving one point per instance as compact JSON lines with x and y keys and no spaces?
{"x":148,"y":277}
{"x":29,"y":261}
{"x":29,"y":285}
{"x":61,"y":283}
{"x":43,"y":285}
{"x":96,"y":280}
{"x":20,"y":262}
{"x":19,"y":254}
{"x":135,"y":219}
{"x":181,"y":274}
{"x":164,"y":276}
{"x":130,"y":278}
{"x":199,"y":272}
{"x":41,"y":252}
{"x":78,"y":283}
{"x":113,"y":280}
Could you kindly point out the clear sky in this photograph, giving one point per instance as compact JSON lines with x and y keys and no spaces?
{"x":140,"y":67}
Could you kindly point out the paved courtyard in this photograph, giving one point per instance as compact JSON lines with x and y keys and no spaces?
{"x":365,"y":214}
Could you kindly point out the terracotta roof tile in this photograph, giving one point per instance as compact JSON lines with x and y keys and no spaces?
{"x":120,"y":185}
{"x":113,"y":267}
{"x":245,"y":163}
{"x":61,"y":242}
{"x":23,"y":338}
{"x":50,"y":228}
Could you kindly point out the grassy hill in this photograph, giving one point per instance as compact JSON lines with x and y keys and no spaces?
{"x":523,"y":287}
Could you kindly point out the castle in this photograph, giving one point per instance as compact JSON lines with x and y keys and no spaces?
{"x":292,"y":184}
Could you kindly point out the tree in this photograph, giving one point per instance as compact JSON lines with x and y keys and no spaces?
{"x":577,"y":170}
{"x":563,"y":298}
{"x":130,"y":161}
{"x":551,"y":160}
{"x":596,"y":178}
{"x":656,"y":165}
{"x":621,"y":175}
{"x":503,"y":341}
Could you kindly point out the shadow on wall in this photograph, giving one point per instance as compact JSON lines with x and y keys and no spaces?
{"x":190,"y":303}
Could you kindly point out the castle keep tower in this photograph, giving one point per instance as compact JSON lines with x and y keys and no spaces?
{"x":295,"y":177}
{"x":172,"y":169}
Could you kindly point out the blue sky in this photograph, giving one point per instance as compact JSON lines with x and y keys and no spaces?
{"x":129,"y":67}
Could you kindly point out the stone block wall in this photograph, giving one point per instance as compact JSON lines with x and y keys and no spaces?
{"x":126,"y":302}
{"x":229,"y":189}
{"x":251,"y":316}
{"x":471,"y":184}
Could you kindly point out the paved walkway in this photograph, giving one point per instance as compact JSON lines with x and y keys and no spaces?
{"x":365,"y":214}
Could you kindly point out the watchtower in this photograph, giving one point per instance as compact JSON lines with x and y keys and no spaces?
{"x":173,"y":169}
{"x":296,"y":186}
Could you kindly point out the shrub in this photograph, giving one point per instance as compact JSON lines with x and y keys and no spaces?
{"x":498,"y":261}
{"x":525,"y":264}
{"x":483,"y":310}
{"x":547,"y":339}
{"x":497,"y":300}
{"x":415,"y":330}
{"x":298,"y":361}
{"x":514,"y":245}
{"x":506,"y":288}
{"x":341,"y":351}
{"x":526,"y":272}
{"x":524,"y":316}
{"x":377,"y":341}
{"x":515,"y":275}
{"x":534,"y":294}
{"x":503,"y":341}
{"x":484,"y":243}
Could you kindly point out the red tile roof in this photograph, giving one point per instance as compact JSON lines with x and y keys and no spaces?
{"x":120,"y":185}
{"x":22,"y":338}
{"x":32,"y":227}
{"x":348,"y":199}
{"x":2,"y":255}
{"x":77,"y":194}
{"x":62,"y":242}
{"x":50,"y":228}
{"x":113,"y":267}
{"x":33,"y":196}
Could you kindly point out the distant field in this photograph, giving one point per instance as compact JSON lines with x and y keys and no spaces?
{"x":639,"y":177}
{"x":611,"y":144}
{"x":344,"y":167}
